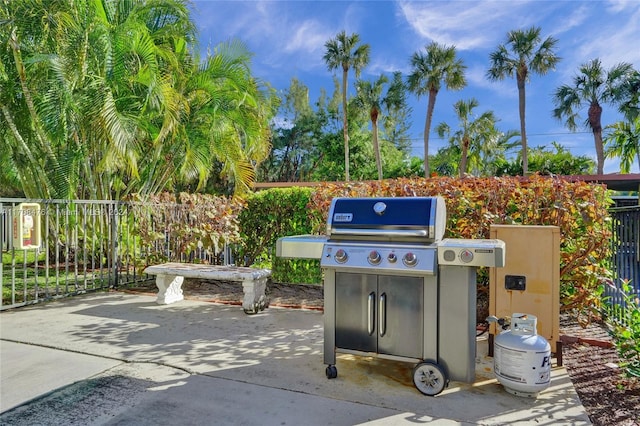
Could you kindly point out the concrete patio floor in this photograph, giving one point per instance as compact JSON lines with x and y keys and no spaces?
{"x":116,"y":358}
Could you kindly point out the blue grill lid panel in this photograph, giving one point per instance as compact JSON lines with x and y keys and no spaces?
{"x":408,"y":213}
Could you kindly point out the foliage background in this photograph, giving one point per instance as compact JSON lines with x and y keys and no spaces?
{"x":579,"y":209}
{"x":252,"y":226}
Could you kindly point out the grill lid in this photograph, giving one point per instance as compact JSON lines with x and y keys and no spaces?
{"x":387,"y":218}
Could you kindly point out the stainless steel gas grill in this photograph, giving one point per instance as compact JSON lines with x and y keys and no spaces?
{"x":394,"y":289}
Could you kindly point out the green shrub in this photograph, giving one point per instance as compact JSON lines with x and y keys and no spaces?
{"x":624,"y":322}
{"x":298,"y":271}
{"x":267,"y":216}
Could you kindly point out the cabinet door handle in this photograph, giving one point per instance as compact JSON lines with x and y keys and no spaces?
{"x":371,"y":311}
{"x":382,"y":315}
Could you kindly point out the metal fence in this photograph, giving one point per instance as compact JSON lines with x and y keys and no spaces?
{"x":58,"y":248}
{"x":626,"y":253}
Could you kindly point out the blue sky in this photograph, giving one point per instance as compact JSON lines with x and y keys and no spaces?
{"x":287,"y":39}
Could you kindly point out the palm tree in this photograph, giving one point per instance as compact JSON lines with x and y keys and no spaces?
{"x":471,"y":132}
{"x":396,"y":122}
{"x":141,"y":59}
{"x":630,"y":106}
{"x":228,"y":117}
{"x":438,"y":66}
{"x":592,"y":87}
{"x":524,"y":53}
{"x":345,"y":52}
{"x":493,"y":148}
{"x":369,"y":96}
{"x":96,"y":72}
{"x":624,"y":142}
{"x":114,"y":102}
{"x":43,"y":113}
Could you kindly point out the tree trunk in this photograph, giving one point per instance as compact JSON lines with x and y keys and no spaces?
{"x":463,"y":157}
{"x":427,"y":129}
{"x":595,"y":122}
{"x":345,"y":131}
{"x":523,"y":127}
{"x":376,"y":147}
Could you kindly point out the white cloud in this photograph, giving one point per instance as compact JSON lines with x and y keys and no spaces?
{"x":307,"y":36}
{"x":468,"y":25}
{"x":613,"y":38}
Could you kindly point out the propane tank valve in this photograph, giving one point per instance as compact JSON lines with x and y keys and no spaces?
{"x":502,"y":322}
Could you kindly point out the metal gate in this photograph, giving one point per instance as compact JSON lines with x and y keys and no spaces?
{"x":89,"y":245}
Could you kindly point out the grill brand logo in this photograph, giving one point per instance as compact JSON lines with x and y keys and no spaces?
{"x":342,"y":217}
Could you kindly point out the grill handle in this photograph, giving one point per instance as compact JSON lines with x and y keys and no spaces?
{"x":382,"y":317}
{"x":381,"y":232}
{"x":371,"y":310}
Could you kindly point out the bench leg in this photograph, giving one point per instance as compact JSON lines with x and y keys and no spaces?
{"x":169,"y":289}
{"x":254,"y":299}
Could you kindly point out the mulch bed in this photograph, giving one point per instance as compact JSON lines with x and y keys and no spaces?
{"x":588,"y":353}
{"x":593,"y":366}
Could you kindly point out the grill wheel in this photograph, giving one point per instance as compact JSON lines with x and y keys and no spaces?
{"x":331,"y":372}
{"x":429,"y":378}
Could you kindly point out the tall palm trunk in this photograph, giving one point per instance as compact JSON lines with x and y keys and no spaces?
{"x":595,"y":122}
{"x":523,"y":127}
{"x":376,"y":147}
{"x":427,"y":129}
{"x":345,"y":128}
{"x":464,"y":156}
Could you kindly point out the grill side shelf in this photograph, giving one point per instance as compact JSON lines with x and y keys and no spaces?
{"x":301,"y":246}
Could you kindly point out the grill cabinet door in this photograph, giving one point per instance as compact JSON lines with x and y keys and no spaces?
{"x":356,"y":306}
{"x":401,"y":325}
{"x":380,"y":313}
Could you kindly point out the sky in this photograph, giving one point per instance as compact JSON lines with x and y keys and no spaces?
{"x":288,"y":40}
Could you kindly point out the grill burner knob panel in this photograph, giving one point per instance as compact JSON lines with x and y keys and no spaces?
{"x":341,"y":256}
{"x":410,"y":259}
{"x":374,"y":257}
{"x":380,"y":258}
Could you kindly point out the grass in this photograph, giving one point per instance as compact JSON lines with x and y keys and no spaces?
{"x":22,"y":283}
{"x":19,"y":257}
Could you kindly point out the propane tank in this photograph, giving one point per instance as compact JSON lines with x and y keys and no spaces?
{"x":522,"y":358}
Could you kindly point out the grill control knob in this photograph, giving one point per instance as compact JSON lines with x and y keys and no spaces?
{"x":466,"y":256}
{"x":449,"y":255}
{"x":392,"y":258}
{"x":410,"y":259}
{"x":341,"y":256}
{"x":374,"y":257}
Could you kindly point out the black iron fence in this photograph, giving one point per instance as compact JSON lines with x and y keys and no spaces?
{"x":58,"y":248}
{"x":626,"y":252}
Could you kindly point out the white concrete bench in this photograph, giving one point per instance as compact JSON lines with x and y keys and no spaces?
{"x":169,"y":277}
